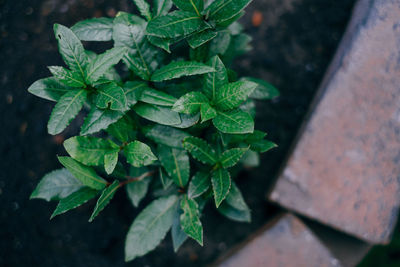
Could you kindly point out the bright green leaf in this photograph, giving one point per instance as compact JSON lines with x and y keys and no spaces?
{"x":179,"y":69}
{"x":234,"y":207}
{"x":234,"y":122}
{"x":175,"y":163}
{"x":156,"y":97}
{"x":139,"y":154}
{"x":200,"y":150}
{"x":67,"y":77}
{"x":111,"y":96}
{"x":162,"y":43}
{"x":123,"y":129}
{"x":157,"y":114}
{"x":207,"y":112}
{"x":194,"y":6}
{"x":144,"y":8}
{"x":221,"y":183}
{"x":105,"y":198}
{"x":190,"y":103}
{"x":95,"y":29}
{"x":99,"y":119}
{"x":49,"y":88}
{"x":198,"y":39}
{"x":165,"y":135}
{"x":190,"y":220}
{"x":161,"y":7}
{"x":231,"y":95}
{"x":222,"y":10}
{"x":199,"y":184}
{"x":213,"y":81}
{"x":231,"y":157}
{"x":110,"y":162}
{"x":133,"y":90}
{"x":264,"y":90}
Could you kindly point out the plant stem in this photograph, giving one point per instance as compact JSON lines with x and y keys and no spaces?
{"x":136,"y":179}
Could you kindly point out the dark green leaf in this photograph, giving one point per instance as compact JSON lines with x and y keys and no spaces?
{"x":175,"y":163}
{"x":221,"y":182}
{"x":56,"y":185}
{"x":123,"y":129}
{"x":231,"y":157}
{"x":198,"y":39}
{"x":231,"y":95}
{"x":213,"y":81}
{"x":179,"y":69}
{"x":99,"y":119}
{"x":264,"y":90}
{"x":187,"y":120}
{"x":152,"y":96}
{"x":262,"y":146}
{"x":96,"y":29}
{"x":178,"y":235}
{"x":207,"y":112}
{"x":139,"y":154}
{"x":220,"y":44}
{"x":200,"y":150}
{"x":165,"y":135}
{"x":166,"y":181}
{"x":67,"y":77}
{"x":234,"y":207}
{"x":161,"y":7}
{"x":110,"y":162}
{"x":48,"y":88}
{"x":190,"y":103}
{"x":111,"y":96}
{"x":234,"y":122}
{"x":74,"y":200}
{"x":83,"y":173}
{"x":65,"y":110}
{"x":250,"y":159}
{"x":133,"y":90}
{"x":157,"y":114}
{"x":194,"y":6}
{"x":144,"y":8}
{"x":232,"y":21}
{"x":190,"y":220}
{"x":199,"y":184}
{"x":71,"y":49}
{"x":105,"y":198}
{"x":176,"y":24}
{"x":162,"y":43}
{"x":249,"y":106}
{"x":150,"y":227}
{"x":137,"y":190}
{"x":222,"y":10}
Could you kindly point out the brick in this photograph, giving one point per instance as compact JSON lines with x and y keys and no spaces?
{"x":344,"y":170}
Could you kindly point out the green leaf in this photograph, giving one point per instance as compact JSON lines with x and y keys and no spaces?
{"x":220,"y":44}
{"x":152,"y":96}
{"x":190,"y":220}
{"x":71,"y":49}
{"x":65,"y":110}
{"x":83,"y":173}
{"x":150,"y":227}
{"x":119,"y":171}
{"x":200,"y":150}
{"x":238,"y":28}
{"x":199,"y":184}
{"x":198,"y":39}
{"x":231,"y":157}
{"x":162,"y":43}
{"x":56,"y":185}
{"x":133,"y":90}
{"x":105,"y":198}
{"x":221,"y":182}
{"x":111,"y":96}
{"x":99,"y":119}
{"x":250,"y":159}
{"x":190,"y":103}
{"x":187,"y":120}
{"x":123,"y":129}
{"x":144,"y":8}
{"x":48,"y":88}
{"x":95,"y":29}
{"x":249,"y":106}
{"x":179,"y":69}
{"x":137,"y":190}
{"x":89,"y":150}
{"x":157,"y":114}
{"x":161,"y":7}
{"x":222,"y":10}
{"x":165,"y":135}
{"x":74,"y":200}
{"x":234,"y":207}
{"x":166,"y":181}
{"x":175,"y":163}
{"x":177,"y":234}
{"x":194,"y":6}
{"x":200,"y":53}
{"x":110,"y":162}
{"x":213,"y":81}
{"x":264,"y":90}
{"x":262,"y":146}
{"x":67,"y":77}
{"x":176,"y":24}
{"x":231,"y":95}
{"x":234,"y":122}
{"x":207,"y":112}
{"x":139,"y":154}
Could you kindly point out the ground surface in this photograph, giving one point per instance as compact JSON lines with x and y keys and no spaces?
{"x":292,"y":49}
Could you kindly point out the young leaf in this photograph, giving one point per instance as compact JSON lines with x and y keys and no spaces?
{"x":161,"y":7}
{"x":110,"y":162}
{"x":71,"y":49}
{"x":177,"y":234}
{"x":222,"y":10}
{"x":199,"y":184}
{"x":84,"y":174}
{"x":234,"y":206}
{"x":99,"y":66}
{"x":95,"y":29}
{"x":89,"y":150}
{"x":200,"y":150}
{"x":176,"y":24}
{"x":221,"y":182}
{"x":105,"y":198}
{"x":234,"y":122}
{"x":133,"y":90}
{"x":74,"y":200}
{"x":190,"y":220}
{"x":123,"y":129}
{"x":157,"y":114}
{"x":194,"y":6}
{"x":190,"y":103}
{"x":144,"y":8}
{"x":264,"y":90}
{"x":65,"y":110}
{"x":150,"y":227}
{"x":137,"y":190}
{"x":162,"y":43}
{"x":56,"y":185}
{"x":165,"y":135}
{"x":111,"y":96}
{"x":152,"y":96}
{"x":198,"y":39}
{"x":231,"y":95}
{"x":48,"y":88}
{"x":175,"y":163}
{"x":213,"y":81}
{"x":67,"y":77}
{"x":179,"y":69}
{"x":231,"y":157}
{"x":207,"y":112}
{"x":139,"y":154}
{"x":262,"y":146}
{"x":99,"y":119}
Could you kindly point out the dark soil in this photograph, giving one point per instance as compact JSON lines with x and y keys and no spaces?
{"x":292,"y":49}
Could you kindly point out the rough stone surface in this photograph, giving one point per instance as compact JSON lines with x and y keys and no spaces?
{"x":345,"y":168}
{"x":287,"y":242}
